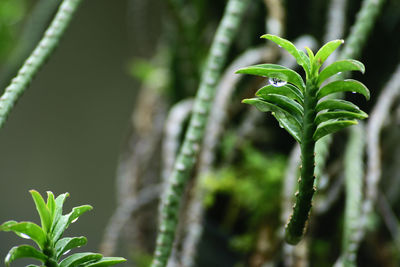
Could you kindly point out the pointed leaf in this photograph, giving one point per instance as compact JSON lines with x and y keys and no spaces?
{"x":42,"y":209}
{"x":66,"y":220}
{"x":79,"y":259}
{"x":287,"y":104}
{"x":106,"y":261}
{"x":58,"y":209}
{"x":337,"y":104}
{"x":331,"y":126}
{"x":51,"y":204}
{"x":27,"y":230}
{"x":287,"y":90}
{"x":343,"y":86}
{"x":307,"y":62}
{"x":5,"y":226}
{"x":288,"y":46}
{"x":326,"y":51}
{"x":24,"y":251}
{"x":310,"y":54}
{"x":275,"y":71}
{"x":68,"y":243}
{"x":284,"y":118}
{"x":325,"y":116}
{"x":338,"y":67}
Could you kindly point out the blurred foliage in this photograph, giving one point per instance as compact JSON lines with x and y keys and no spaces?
{"x":253,"y":186}
{"x":12,"y":13}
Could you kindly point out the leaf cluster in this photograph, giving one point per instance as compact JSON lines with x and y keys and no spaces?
{"x":285,"y":97}
{"x":49,"y":239}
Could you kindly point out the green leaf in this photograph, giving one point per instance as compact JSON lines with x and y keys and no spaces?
{"x":24,"y":251}
{"x":5,"y":226}
{"x":310,"y":54}
{"x":51,"y":204}
{"x":337,"y":104}
{"x":287,"y":104}
{"x":331,"y":126}
{"x":325,"y":116}
{"x":343,"y":86}
{"x":275,"y":71}
{"x":68,"y":243}
{"x":288,"y":46}
{"x":287,"y":90}
{"x":285,"y":119}
{"x":106,"y":261}
{"x":79,"y":259}
{"x":307,"y":62}
{"x":66,"y":220}
{"x":58,"y":209}
{"x":27,"y":230}
{"x":325,"y":51}
{"x":340,"y":66}
{"x":42,"y":209}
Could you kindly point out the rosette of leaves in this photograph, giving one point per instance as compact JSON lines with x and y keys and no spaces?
{"x":307,"y":110}
{"x":48,"y":237}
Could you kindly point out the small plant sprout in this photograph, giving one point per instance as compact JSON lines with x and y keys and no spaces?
{"x":48,"y":237}
{"x":307,"y":110}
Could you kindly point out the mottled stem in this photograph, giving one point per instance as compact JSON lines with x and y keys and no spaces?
{"x":37,"y":58}
{"x":187,"y":156}
{"x":301,"y":209}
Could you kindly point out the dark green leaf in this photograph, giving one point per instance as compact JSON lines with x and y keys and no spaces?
{"x":340,"y":66}
{"x":24,"y":251}
{"x":51,"y":204}
{"x":288,"y":46}
{"x":27,"y":230}
{"x":343,"y":86}
{"x":106,"y":261}
{"x":331,"y":126}
{"x":287,"y":104}
{"x":42,"y":210}
{"x":325,"y":116}
{"x":337,"y":104}
{"x":68,"y":243}
{"x":275,"y":71}
{"x":285,"y":119}
{"x":78,"y":259}
{"x":306,"y":60}
{"x":287,"y":90}
{"x":325,"y":51}
{"x":66,"y":220}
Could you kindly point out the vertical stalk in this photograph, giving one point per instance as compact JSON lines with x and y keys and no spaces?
{"x":37,"y":58}
{"x":186,"y":158}
{"x":301,"y":209}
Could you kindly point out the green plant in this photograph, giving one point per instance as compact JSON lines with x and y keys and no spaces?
{"x":48,"y":237}
{"x":302,"y":109}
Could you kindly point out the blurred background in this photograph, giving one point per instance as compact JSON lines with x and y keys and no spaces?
{"x":91,"y":124}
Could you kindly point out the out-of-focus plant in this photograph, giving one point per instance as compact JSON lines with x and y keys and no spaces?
{"x":254,"y":186}
{"x":49,"y":239}
{"x":302,"y":109}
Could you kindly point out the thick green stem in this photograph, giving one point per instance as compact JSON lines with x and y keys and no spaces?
{"x":187,"y":156}
{"x":37,"y":58}
{"x":297,"y":222}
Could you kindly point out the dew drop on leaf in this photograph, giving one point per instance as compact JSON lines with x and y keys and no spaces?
{"x":24,"y":236}
{"x":276,"y":82}
{"x":74,"y":220}
{"x":66,"y":252}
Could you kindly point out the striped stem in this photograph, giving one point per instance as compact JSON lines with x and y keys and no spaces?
{"x":39,"y":55}
{"x":190,"y":147}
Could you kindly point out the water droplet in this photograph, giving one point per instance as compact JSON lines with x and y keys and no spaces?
{"x":353,"y":92}
{"x":66,"y":252}
{"x":280,"y":46}
{"x":280,"y":125}
{"x":24,"y":236}
{"x":276,"y":82}
{"x":74,"y":220}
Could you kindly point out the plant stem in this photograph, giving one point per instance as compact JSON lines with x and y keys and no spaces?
{"x":190,"y":147}
{"x":301,"y":209}
{"x":37,"y":58}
